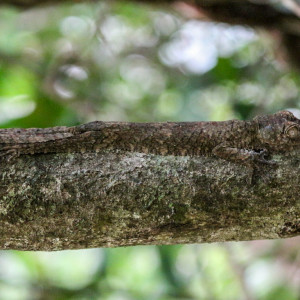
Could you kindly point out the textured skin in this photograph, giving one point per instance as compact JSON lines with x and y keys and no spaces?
{"x":245,"y":142}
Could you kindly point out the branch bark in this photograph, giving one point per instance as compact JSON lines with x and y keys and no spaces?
{"x":114,"y":198}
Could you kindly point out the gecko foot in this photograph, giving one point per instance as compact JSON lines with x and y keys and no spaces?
{"x":261,"y":174}
{"x":10,"y":154}
{"x":260,"y":157}
{"x":257,"y":172}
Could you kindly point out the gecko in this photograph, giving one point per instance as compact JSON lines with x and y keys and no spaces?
{"x":248,"y":142}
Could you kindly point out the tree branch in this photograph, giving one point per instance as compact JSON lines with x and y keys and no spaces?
{"x":112,"y":198}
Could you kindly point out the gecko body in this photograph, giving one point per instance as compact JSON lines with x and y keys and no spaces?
{"x":245,"y":142}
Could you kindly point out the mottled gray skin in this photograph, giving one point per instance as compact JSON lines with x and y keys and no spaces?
{"x":245,"y":142}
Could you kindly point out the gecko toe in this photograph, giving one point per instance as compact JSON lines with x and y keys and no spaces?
{"x":10,"y":154}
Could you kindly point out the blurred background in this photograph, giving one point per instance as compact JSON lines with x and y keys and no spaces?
{"x":122,"y":61}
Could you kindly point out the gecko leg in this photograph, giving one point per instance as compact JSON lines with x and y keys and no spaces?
{"x":251,"y":158}
{"x":244,"y":156}
{"x":10,"y":153}
{"x":92,"y":126}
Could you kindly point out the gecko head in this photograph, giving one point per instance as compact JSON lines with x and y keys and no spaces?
{"x":280,"y":130}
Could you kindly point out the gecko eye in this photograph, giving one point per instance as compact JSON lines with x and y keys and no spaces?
{"x":292,"y":131}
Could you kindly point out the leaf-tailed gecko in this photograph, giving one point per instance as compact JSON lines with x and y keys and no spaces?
{"x":247,"y":142}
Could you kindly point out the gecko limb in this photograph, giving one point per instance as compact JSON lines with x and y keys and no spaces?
{"x":92,"y":126}
{"x":10,"y":153}
{"x":249,"y":157}
{"x":244,"y":156}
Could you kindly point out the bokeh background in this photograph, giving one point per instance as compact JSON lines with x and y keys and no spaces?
{"x":123,"y":61}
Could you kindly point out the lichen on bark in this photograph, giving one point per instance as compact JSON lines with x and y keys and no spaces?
{"x":113,"y":198}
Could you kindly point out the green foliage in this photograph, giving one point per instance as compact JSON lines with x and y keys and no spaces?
{"x":125,"y":61}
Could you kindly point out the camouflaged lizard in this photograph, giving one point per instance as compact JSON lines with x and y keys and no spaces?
{"x":246,"y":142}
